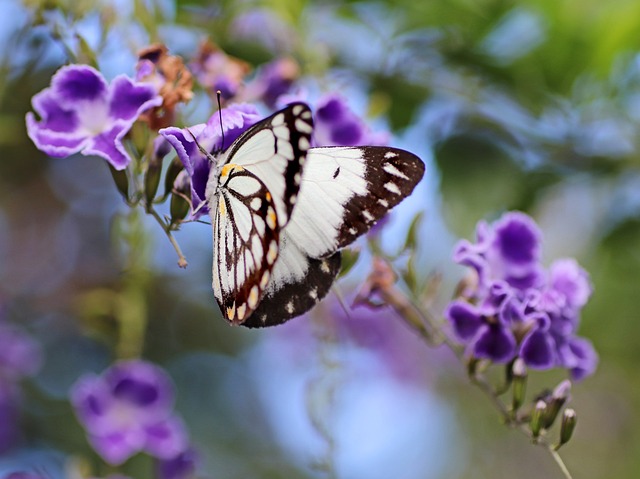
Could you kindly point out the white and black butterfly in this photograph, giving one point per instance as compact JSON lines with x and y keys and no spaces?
{"x":281,"y":211}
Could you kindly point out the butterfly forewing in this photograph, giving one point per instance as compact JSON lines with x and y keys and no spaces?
{"x":275,"y":150}
{"x":344,"y":191}
{"x":245,"y":243}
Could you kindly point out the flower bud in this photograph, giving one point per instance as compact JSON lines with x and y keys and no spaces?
{"x":179,"y":207}
{"x":536,"y":422}
{"x":569,"y":420}
{"x":121,"y":180}
{"x":519,"y":380}
{"x":170,"y":176}
{"x":161,"y":148}
{"x":559,"y":397}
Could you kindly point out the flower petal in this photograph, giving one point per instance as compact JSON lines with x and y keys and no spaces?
{"x":108,"y":145}
{"x":517,"y":239}
{"x":53,"y":116}
{"x":117,"y":447}
{"x":141,"y":385}
{"x":465,"y":319}
{"x":496,"y":343}
{"x":166,"y":439}
{"x":584,"y":358}
{"x":78,"y":83}
{"x":185,"y":146}
{"x":571,"y":281}
{"x":128,"y":99}
{"x":537,"y":350}
{"x":57,"y":145}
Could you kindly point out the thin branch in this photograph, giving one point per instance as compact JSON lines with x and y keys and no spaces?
{"x":182,"y":261}
{"x":559,"y":461}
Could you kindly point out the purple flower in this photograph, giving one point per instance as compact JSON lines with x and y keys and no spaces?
{"x":336,"y":124}
{"x":183,"y":466}
{"x":486,"y":335}
{"x":235,"y":120}
{"x":515,"y":307}
{"x":273,"y":80}
{"x":508,"y":251}
{"x":20,"y":355}
{"x":128,"y":409}
{"x":80,"y":112}
{"x":215,"y":70}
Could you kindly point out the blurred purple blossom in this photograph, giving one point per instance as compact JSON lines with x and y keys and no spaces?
{"x":183,"y":466}
{"x":273,"y":80}
{"x":81,"y":113}
{"x":20,"y":356}
{"x":23,"y":475}
{"x":215,"y":70}
{"x":128,"y":409}
{"x":515,"y":307}
{"x":335,"y":124}
{"x":266,"y":28}
{"x":236,"y":119}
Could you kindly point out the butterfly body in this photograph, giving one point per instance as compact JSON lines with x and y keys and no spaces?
{"x":281,"y":211}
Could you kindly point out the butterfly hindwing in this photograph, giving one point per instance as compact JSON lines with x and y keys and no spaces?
{"x":245,"y":243}
{"x":287,"y":300}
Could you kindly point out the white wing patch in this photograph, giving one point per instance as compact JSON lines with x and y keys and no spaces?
{"x":344,"y":191}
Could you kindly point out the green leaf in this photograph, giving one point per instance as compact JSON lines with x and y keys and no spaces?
{"x":86,"y":53}
{"x":411,"y":240}
{"x":349,"y":259}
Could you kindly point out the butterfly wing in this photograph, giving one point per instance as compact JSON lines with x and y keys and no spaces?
{"x":275,"y":150}
{"x":245,"y":243}
{"x":251,"y":197}
{"x":343,"y":192}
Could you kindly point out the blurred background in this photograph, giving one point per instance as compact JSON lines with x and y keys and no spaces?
{"x":531,"y":105}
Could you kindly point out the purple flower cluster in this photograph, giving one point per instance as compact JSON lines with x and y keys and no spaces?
{"x":81,"y":113}
{"x":517,"y":308}
{"x":129,"y":409}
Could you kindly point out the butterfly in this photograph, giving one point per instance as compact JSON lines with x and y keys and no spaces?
{"x":281,"y":211}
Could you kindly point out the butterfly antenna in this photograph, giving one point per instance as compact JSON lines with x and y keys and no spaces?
{"x":219,"y":95}
{"x":202,"y":150}
{"x":343,"y":303}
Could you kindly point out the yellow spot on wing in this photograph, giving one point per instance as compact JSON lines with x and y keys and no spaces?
{"x":253,"y":297}
{"x":226,"y":169}
{"x":241,"y":310}
{"x":268,"y":196}
{"x":222,"y":207}
{"x":231,"y":312}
